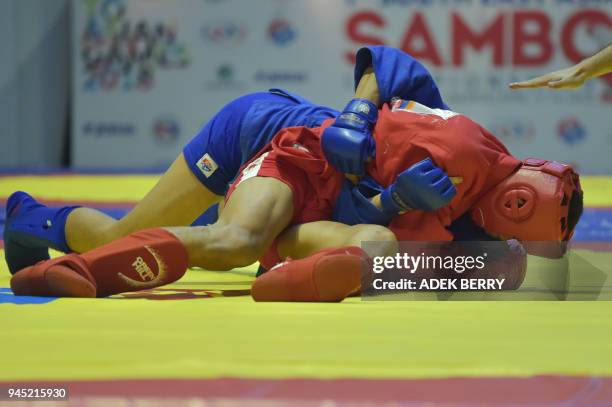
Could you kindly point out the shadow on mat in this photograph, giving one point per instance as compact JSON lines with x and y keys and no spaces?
{"x":182,"y":293}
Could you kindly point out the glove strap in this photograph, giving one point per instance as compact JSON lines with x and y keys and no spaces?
{"x":363,"y":108}
{"x":392,"y":204}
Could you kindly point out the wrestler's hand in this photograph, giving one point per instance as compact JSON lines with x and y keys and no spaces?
{"x":348,"y":143}
{"x":569,"y":78}
{"x":422,"y":186}
{"x":574,"y":76}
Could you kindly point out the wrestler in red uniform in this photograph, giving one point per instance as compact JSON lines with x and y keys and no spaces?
{"x":509,"y":199}
{"x":403,"y":137}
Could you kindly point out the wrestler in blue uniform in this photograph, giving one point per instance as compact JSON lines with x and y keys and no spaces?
{"x":243,"y":127}
{"x":234,"y":135}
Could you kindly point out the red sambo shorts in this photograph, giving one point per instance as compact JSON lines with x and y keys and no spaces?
{"x":294,"y":157}
{"x":314,"y":190}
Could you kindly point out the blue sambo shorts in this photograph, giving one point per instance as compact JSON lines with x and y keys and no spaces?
{"x":242,"y":128}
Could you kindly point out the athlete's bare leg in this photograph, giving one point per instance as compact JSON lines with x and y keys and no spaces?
{"x":258,"y":210}
{"x":177,"y":199}
{"x":301,"y":241}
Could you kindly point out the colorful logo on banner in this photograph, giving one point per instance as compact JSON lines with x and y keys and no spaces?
{"x":166,"y":130}
{"x":571,"y":131}
{"x":281,"y":32}
{"x":224,"y":33}
{"x":121,"y":53}
{"x":516,"y":130}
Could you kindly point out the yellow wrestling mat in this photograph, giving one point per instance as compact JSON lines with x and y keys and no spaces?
{"x":204,"y":326}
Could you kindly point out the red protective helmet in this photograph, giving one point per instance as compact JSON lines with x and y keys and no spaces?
{"x":530,"y":205}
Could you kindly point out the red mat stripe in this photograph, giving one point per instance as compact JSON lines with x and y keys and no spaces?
{"x":497,"y":392}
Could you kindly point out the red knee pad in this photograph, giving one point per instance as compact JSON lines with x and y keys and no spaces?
{"x":329,"y":275}
{"x":65,"y":276}
{"x":140,"y":261}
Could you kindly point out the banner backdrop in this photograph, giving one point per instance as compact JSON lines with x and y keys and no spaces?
{"x":149,"y":73}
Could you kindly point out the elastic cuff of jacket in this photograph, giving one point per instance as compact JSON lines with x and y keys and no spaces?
{"x":368,"y":212}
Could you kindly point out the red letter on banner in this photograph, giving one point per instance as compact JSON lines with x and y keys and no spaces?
{"x":493,"y":35}
{"x":522,"y":38}
{"x":354,"y":33}
{"x":591,"y":18}
{"x":418,"y":29}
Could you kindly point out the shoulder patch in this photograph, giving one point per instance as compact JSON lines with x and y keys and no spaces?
{"x":207,"y":165}
{"x":411,"y":106}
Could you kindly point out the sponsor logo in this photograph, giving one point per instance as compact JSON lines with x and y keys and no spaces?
{"x":281,"y":32}
{"x":363,"y":108}
{"x":225,"y":73}
{"x":103,"y":130}
{"x":281,"y":76}
{"x":166,"y":130}
{"x":571,"y":131}
{"x":145,"y":272}
{"x":224,"y":33}
{"x":514,"y":130}
{"x":354,"y":119}
{"x":119,"y":53}
{"x":225,"y":79}
{"x":207,"y":165}
{"x":143,"y":269}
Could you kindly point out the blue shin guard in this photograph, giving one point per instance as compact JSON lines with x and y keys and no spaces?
{"x":31,"y":229}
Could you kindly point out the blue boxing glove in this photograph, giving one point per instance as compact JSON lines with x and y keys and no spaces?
{"x":423,"y":186}
{"x":348,"y":143}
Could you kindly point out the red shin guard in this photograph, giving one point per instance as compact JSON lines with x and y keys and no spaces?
{"x":140,"y":261}
{"x":329,"y":275}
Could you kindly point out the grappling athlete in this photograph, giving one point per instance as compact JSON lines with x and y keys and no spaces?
{"x":290,"y":183}
{"x":201,"y":175}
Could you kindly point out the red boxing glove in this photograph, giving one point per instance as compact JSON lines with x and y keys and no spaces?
{"x":140,"y":261}
{"x":329,"y":275}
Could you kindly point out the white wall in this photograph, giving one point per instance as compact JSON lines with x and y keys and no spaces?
{"x":34,"y":82}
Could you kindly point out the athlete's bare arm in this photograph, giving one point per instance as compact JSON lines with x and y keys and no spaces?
{"x":574,"y":76}
{"x":368,"y":87}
